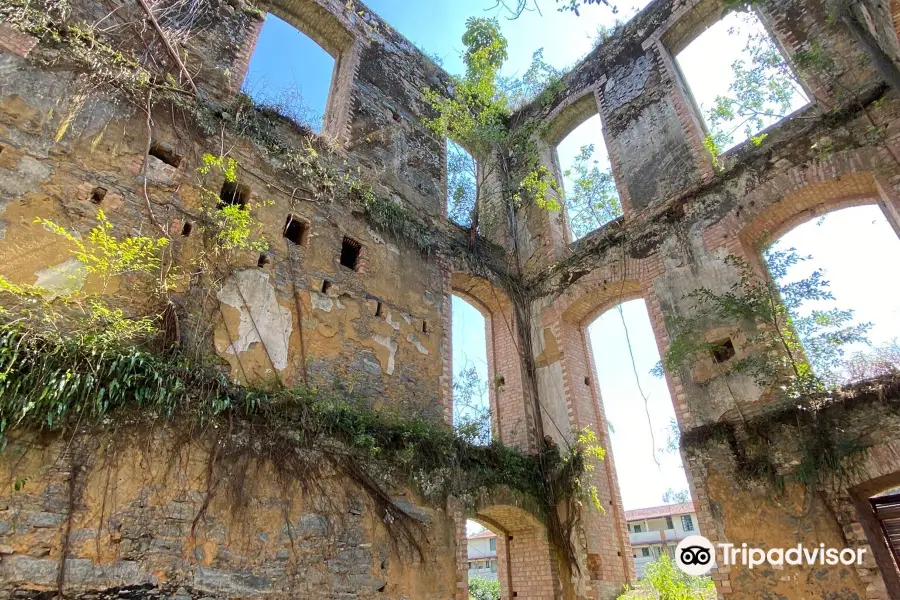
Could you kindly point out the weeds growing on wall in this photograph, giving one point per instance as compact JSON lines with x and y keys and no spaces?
{"x":65,"y":384}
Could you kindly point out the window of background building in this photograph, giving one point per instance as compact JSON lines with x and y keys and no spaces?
{"x":687,"y":523}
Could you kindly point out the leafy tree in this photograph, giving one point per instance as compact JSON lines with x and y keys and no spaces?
{"x":763,"y":90}
{"x":471,"y":411}
{"x":803,"y":354}
{"x":663,"y":580}
{"x":478,"y":116}
{"x":593,"y":199}
{"x":679,"y":497}
{"x":483,"y":589}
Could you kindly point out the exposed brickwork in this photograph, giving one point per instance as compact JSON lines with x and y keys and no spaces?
{"x":15,"y":42}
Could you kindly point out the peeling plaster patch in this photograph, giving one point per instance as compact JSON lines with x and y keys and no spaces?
{"x":392,"y":346}
{"x":273,"y":321}
{"x":406,"y":318}
{"x":321,"y":301}
{"x":61,"y":279}
{"x":391,"y":322}
{"x":412,"y":339}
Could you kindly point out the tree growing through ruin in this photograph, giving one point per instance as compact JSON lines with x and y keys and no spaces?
{"x":479,"y":117}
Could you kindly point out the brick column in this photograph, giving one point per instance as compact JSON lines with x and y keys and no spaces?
{"x":608,"y":547}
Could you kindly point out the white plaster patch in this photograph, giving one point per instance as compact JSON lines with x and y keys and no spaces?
{"x":412,"y":339}
{"x":321,"y":301}
{"x":59,"y":280}
{"x":273,"y":322}
{"x":406,"y":318}
{"x":391,"y":322}
{"x":392,"y":346}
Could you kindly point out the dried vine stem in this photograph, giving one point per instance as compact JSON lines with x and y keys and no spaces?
{"x":165,"y":40}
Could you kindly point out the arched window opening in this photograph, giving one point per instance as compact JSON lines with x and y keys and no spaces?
{"x":739,"y":81}
{"x":832,"y":278}
{"x":471,"y":398}
{"x":481,"y":560}
{"x":289,"y":73}
{"x":462,"y":184}
{"x":590,"y":192}
{"x":643,"y":433}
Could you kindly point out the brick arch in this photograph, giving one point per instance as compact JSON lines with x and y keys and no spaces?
{"x":814,"y":199}
{"x":512,"y":421}
{"x":601,"y":297}
{"x":527,"y":565}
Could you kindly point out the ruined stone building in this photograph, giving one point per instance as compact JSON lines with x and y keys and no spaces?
{"x":354,"y":287}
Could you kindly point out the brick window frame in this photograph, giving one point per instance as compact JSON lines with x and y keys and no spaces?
{"x":326,"y":30}
{"x":677,"y":32}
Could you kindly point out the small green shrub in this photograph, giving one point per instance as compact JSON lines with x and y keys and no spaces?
{"x":483,"y":589}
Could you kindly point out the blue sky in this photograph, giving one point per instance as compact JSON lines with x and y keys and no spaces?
{"x":843,"y":244}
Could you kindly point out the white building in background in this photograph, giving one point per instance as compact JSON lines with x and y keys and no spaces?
{"x":483,"y":555}
{"x":655,"y":530}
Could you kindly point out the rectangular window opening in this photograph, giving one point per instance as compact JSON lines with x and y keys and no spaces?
{"x":296,"y":230}
{"x":166,"y":154}
{"x":326,"y":285}
{"x":295,"y":89}
{"x":591,"y":197}
{"x":687,"y":523}
{"x":378,"y":310}
{"x":738,"y":80}
{"x":350,"y":251}
{"x":187,"y":228}
{"x":462,"y":184}
{"x":233,"y":194}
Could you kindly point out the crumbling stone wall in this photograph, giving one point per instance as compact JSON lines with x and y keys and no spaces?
{"x":296,"y":315}
{"x":153,"y":511}
{"x":682,"y":217}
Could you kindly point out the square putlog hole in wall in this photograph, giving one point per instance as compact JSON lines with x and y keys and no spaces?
{"x":296,"y":230}
{"x":723,"y":350}
{"x":166,"y":154}
{"x":350,"y":251}
{"x":233,"y":194}
{"x":98,"y":194}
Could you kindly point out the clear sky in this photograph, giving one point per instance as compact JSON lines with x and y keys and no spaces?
{"x":844,"y":244}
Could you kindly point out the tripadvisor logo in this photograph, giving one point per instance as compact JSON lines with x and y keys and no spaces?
{"x":695,"y":555}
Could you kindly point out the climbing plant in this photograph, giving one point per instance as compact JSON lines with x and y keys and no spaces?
{"x":235,"y":227}
{"x":800,"y":354}
{"x":478,"y":116}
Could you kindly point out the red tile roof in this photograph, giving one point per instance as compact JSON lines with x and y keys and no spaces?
{"x":656,"y":512}
{"x":487,"y":533}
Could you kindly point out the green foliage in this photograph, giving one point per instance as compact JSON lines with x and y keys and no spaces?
{"x":679,"y":497}
{"x":483,"y":589}
{"x":593,"y":200}
{"x":478,"y":116}
{"x":103,"y":257}
{"x":663,"y":580}
{"x":52,"y":383}
{"x":801,"y":354}
{"x":235,"y":226}
{"x":394,"y":218}
{"x":762,"y":91}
